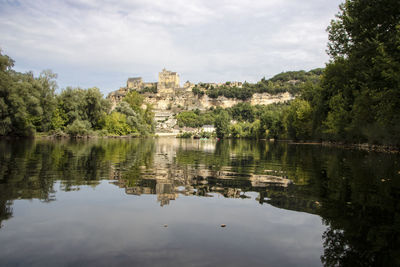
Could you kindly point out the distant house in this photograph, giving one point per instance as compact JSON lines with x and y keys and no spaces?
{"x":208,"y":128}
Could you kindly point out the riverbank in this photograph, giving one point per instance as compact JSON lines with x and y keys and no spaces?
{"x":364,"y":146}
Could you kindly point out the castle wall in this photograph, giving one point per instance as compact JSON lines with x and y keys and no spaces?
{"x":134,"y":83}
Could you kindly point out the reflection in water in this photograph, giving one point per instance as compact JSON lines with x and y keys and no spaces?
{"x":355,"y":193}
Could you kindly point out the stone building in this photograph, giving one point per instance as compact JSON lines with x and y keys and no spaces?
{"x":134,"y":83}
{"x":167,"y":81}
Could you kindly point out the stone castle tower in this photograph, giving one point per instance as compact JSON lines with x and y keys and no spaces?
{"x":167,"y":81}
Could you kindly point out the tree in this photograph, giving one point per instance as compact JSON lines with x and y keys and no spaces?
{"x":222,"y":124}
{"x":116,"y":123}
{"x":188,"y":118}
{"x":135,"y":101}
{"x":298,"y":120}
{"x":363,"y":80}
{"x":78,"y":128}
{"x":46,"y":86}
{"x":95,"y":106}
{"x":26,"y":103}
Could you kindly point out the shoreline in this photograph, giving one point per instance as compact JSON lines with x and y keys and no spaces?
{"x":364,"y":146}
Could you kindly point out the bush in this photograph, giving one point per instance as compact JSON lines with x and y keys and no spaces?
{"x":116,"y":123}
{"x":184,"y":135}
{"x":78,"y":128}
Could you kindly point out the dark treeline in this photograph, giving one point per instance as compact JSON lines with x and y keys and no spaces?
{"x":29,"y":105}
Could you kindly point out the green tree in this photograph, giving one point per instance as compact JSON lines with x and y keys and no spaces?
{"x":363,"y":78}
{"x":188,"y":118}
{"x":143,"y":118}
{"x":58,"y":119}
{"x":78,"y":128}
{"x":135,"y":101}
{"x":116,"y":123}
{"x":46,"y":85}
{"x":95,"y":106}
{"x":222,"y":124}
{"x":26,"y":102}
{"x":72,"y":102}
{"x":298,"y":120}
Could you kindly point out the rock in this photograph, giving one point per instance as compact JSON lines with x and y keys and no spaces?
{"x":165,"y":225}
{"x":223,"y":225}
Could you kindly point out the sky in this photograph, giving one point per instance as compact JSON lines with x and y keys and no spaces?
{"x":103,"y":42}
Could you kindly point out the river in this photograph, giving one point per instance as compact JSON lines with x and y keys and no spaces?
{"x":176,"y":202}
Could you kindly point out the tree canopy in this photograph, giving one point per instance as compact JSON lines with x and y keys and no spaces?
{"x":29,"y":104}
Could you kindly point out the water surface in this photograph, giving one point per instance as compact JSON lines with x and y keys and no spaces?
{"x":161,"y":202}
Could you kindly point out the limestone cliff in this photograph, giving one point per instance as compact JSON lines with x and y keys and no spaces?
{"x":188,"y":101}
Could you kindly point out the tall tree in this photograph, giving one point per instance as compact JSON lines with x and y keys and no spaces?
{"x":222,"y":124}
{"x":361,"y":85}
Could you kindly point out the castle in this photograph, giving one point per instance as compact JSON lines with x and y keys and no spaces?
{"x":168,"y":84}
{"x":168,"y":98}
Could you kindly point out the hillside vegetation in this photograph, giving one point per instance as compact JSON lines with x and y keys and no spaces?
{"x":291,"y":81}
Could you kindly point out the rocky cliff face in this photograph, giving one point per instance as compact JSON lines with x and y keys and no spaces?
{"x":188,"y":101}
{"x":167,"y":103}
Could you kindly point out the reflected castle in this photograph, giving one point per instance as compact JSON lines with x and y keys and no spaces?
{"x":169,"y":176}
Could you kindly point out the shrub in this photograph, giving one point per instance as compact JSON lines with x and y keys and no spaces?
{"x":78,"y":128}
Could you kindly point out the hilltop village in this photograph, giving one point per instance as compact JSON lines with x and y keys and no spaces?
{"x":168,"y":97}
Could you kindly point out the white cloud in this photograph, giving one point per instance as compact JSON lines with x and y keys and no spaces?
{"x":99,"y":43}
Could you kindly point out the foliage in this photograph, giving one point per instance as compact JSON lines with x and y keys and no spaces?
{"x":26,"y":102}
{"x":243,"y":112}
{"x":189,"y":119}
{"x":78,"y":128}
{"x":196,"y":118}
{"x":29,"y":105}
{"x":230,"y":92}
{"x":197,"y":91}
{"x":363,"y":80}
{"x":116,"y":123}
{"x":140,"y":120}
{"x":298,"y":120}
{"x":222,"y":124}
{"x":269,"y":124}
{"x":291,"y":82}
{"x":81,"y":104}
{"x":185,"y":135}
{"x":58,"y":119}
{"x":358,"y":98}
{"x":149,"y":89}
